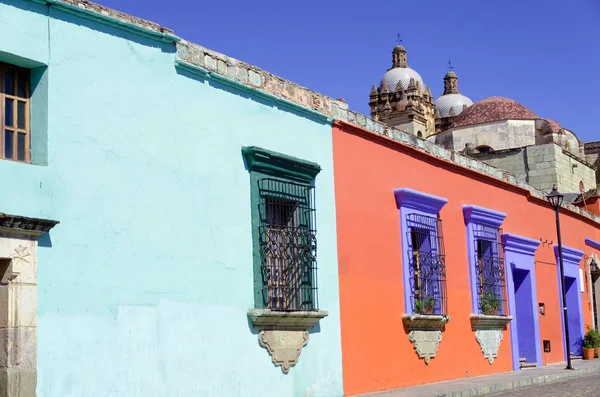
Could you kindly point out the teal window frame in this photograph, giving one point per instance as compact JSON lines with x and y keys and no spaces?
{"x":266,"y":165}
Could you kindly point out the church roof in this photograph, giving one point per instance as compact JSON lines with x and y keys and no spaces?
{"x":554,"y":125}
{"x":494,"y":109}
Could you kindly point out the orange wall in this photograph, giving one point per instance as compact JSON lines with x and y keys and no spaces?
{"x":377,"y":354}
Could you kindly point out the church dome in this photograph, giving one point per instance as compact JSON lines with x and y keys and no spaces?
{"x":494,"y":109}
{"x":403,"y":74}
{"x":451,"y":101}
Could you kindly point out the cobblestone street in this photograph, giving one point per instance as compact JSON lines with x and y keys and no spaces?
{"x":588,"y":386}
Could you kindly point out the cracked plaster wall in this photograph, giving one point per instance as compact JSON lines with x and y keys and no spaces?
{"x":146,"y":286}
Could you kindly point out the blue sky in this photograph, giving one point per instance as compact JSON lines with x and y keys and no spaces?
{"x":542,"y":53}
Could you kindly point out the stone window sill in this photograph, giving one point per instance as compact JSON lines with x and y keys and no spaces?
{"x":483,"y":322}
{"x":300,"y":320}
{"x":425,"y":322}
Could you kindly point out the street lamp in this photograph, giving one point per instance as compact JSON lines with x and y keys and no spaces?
{"x":556,"y":199}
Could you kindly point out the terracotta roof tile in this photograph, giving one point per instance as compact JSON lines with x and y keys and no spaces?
{"x":494,"y":109}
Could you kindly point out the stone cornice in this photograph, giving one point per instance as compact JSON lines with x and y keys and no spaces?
{"x":484,"y":322}
{"x":413,"y":199}
{"x":570,"y":255}
{"x":265,"y":319}
{"x":107,"y":16}
{"x":26,"y":226}
{"x":473,"y":213}
{"x":592,"y":243}
{"x":519,"y":244}
{"x":277,"y":164}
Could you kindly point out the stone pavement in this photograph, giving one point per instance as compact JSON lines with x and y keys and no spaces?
{"x":497,"y":383}
{"x":584,"y":386}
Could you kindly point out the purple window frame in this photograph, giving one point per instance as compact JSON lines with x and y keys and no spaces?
{"x":475,"y":215}
{"x":410,"y":201}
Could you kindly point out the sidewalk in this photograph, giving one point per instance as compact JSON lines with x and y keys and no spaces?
{"x":489,"y":384}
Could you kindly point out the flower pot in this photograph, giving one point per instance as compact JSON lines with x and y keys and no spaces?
{"x":588,"y":354}
{"x":491,"y":312}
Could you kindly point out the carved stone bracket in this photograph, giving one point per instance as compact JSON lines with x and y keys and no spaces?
{"x":425,"y":333}
{"x":283,"y":346}
{"x":426,"y":343}
{"x":488,"y":332}
{"x":284,"y":334}
{"x":489,"y":341}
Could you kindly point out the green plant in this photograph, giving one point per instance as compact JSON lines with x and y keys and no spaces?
{"x":591,"y":340}
{"x":426,"y":305}
{"x":489,"y":303}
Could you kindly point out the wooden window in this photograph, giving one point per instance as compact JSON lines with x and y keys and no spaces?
{"x":15,"y":136}
{"x":427,"y":264}
{"x":288,"y":245}
{"x":490,"y":270}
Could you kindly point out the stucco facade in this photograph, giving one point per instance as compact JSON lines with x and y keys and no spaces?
{"x":376,"y":279}
{"x":144,"y":287}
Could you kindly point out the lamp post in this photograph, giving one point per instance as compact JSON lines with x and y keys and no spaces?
{"x":556,"y":199}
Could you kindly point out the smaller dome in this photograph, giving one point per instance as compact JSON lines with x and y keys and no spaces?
{"x":399,"y":48}
{"x":454,"y":101}
{"x":393,"y":76}
{"x":494,"y":109}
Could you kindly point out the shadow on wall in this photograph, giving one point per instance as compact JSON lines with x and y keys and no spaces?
{"x":247,"y":93}
{"x":45,"y":241}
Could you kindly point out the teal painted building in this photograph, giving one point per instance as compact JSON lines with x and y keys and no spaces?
{"x":145,"y":286}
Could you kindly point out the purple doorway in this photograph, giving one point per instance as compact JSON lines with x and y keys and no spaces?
{"x":525,"y":315}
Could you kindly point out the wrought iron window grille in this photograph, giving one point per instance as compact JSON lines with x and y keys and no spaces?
{"x":489,"y":266}
{"x":427,"y":267}
{"x":288,"y":245}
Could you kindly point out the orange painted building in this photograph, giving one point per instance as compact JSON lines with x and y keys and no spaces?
{"x":374,"y":179}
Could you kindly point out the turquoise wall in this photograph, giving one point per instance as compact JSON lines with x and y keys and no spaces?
{"x":143,"y":287}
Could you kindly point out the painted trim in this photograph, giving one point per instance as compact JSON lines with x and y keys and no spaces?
{"x":592,"y":243}
{"x":571,"y":260}
{"x":419,"y":201}
{"x":519,"y":254}
{"x":475,"y":214}
{"x":519,"y":244}
{"x":179,"y":63}
{"x":111,"y":21}
{"x":570,"y":255}
{"x":478,"y":215}
{"x":408,"y":202}
{"x":280,"y":165}
{"x":263,"y":163}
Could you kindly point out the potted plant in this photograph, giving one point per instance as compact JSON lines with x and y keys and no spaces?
{"x":490,"y":303}
{"x":591,"y":341}
{"x":425,"y":306}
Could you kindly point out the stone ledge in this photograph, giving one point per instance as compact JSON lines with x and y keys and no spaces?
{"x":425,"y":322}
{"x":483,"y":322}
{"x":300,"y":320}
{"x":23,"y":225}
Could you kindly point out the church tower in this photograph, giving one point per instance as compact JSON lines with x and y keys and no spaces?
{"x":451,"y":103}
{"x":402,"y":100}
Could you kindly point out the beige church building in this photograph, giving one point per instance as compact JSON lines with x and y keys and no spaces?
{"x":497,"y":130}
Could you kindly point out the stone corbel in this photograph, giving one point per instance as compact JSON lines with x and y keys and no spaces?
{"x":488,"y":332}
{"x":284,"y":334}
{"x":425,"y":332}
